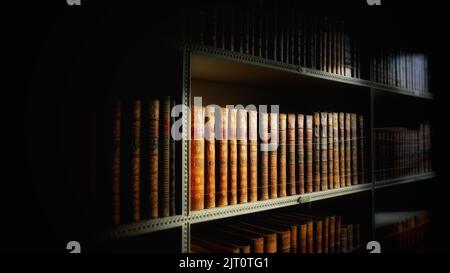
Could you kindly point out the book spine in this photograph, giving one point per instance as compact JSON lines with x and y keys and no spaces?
{"x":282,"y":156}
{"x":309,"y":154}
{"x":115,"y":168}
{"x":302,"y":239}
{"x":253,"y":155}
{"x":361,"y":147}
{"x":264,"y":156}
{"x":165,"y":158}
{"x":354,"y":147}
{"x":319,"y":236}
{"x":342,"y":149}
{"x":324,"y":151}
{"x":330,"y":151}
{"x":210,"y":158}
{"x":316,"y":151}
{"x":344,"y":240}
{"x":242,"y":136}
{"x":338,"y":234}
{"x":326,"y":235}
{"x":300,"y":154}
{"x":222,"y":193}
{"x":197,"y":159}
{"x":136,"y":161}
{"x":273,"y":175}
{"x":310,"y":235}
{"x":350,"y":245}
{"x":291,"y":186}
{"x":172,"y":152}
{"x":153,"y":157}
{"x":348,"y":150}
{"x":332,"y":234}
{"x":336,"y":167}
{"x":232,"y":157}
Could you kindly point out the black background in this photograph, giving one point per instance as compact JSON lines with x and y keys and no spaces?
{"x":67,"y":56}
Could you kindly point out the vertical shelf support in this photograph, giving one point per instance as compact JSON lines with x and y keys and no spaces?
{"x":372,"y":158}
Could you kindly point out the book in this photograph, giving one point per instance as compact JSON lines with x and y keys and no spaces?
{"x":283,"y":233}
{"x":242,"y":136}
{"x":330,"y":143}
{"x":115,"y":166}
{"x":282,"y":156}
{"x":354,"y":149}
{"x":336,"y":157}
{"x":309,"y":154}
{"x":338,"y":233}
{"x":361,"y":153}
{"x":253,"y":155}
{"x":332,"y":234}
{"x":135,"y":161}
{"x":323,"y":151}
{"x":222,"y":189}
{"x":256,"y":240}
{"x":232,"y":157}
{"x":197,"y":159}
{"x":291,"y":173}
{"x":200,"y":244}
{"x":264,"y":156}
{"x":300,"y":157}
{"x":273,"y":174}
{"x":153,"y":157}
{"x":348,"y":150}
{"x":165,"y":158}
{"x":270,"y":236}
{"x":210,"y":158}
{"x":316,"y":152}
{"x":342,"y":160}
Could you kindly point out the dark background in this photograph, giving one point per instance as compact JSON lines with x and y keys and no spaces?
{"x":69,"y":57}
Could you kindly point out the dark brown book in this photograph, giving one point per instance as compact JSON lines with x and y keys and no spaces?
{"x":354,"y":147}
{"x":336,"y":167}
{"x":300,"y":157}
{"x":153,"y":157}
{"x":232,"y":157}
{"x":242,"y":136}
{"x":136,"y":161}
{"x":253,"y":155}
{"x":298,"y":239}
{"x":361,"y":153}
{"x":306,"y":239}
{"x":172,"y":187}
{"x":332,"y":234}
{"x":210,"y":158}
{"x":222,"y":191}
{"x":282,"y":156}
{"x":348,"y":150}
{"x":115,"y":167}
{"x":264,"y":156}
{"x":344,"y":234}
{"x":224,"y":239}
{"x":338,"y":234}
{"x":213,"y":246}
{"x":256,"y":241}
{"x":316,"y":152}
{"x":273,"y":156}
{"x":323,"y":151}
{"x":291,"y":175}
{"x":270,"y":236}
{"x":350,"y":245}
{"x":309,"y":154}
{"x":342,"y":149}
{"x":330,"y":132}
{"x":165,"y":158}
{"x":197,"y":159}
{"x":315,"y":237}
{"x":326,"y":234}
{"x":283,"y":233}
{"x":283,"y":223}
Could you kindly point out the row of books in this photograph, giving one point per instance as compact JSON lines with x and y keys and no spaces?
{"x":311,"y":153}
{"x":401,"y":69}
{"x":274,"y":30}
{"x":143,"y":160}
{"x":407,"y":235}
{"x":288,"y":232}
{"x":402,"y":152}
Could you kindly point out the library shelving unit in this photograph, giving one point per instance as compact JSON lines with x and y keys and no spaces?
{"x":221,"y":77}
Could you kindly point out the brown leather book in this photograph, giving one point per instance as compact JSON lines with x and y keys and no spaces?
{"x":222,"y":191}
{"x":242,"y":138}
{"x":253,"y":155}
{"x":136,"y":161}
{"x":273,"y":156}
{"x":255,"y":241}
{"x":332,"y":234}
{"x":330,"y":151}
{"x":309,"y":154}
{"x":316,"y":151}
{"x":344,"y":234}
{"x":283,"y":233}
{"x":210,"y":158}
{"x":326,"y":234}
{"x":300,"y":157}
{"x":115,"y":167}
{"x":323,"y":151}
{"x":342,"y":149}
{"x":172,"y":187}
{"x":336,"y":167}
{"x":264,"y":157}
{"x":225,"y":239}
{"x":153,"y":155}
{"x":350,"y":245}
{"x":348,"y":150}
{"x":282,"y":224}
{"x":212,"y":246}
{"x":290,"y":141}
{"x":232,"y":157}
{"x":282,"y":156}
{"x":165,"y":158}
{"x":306,"y":239}
{"x":361,"y":152}
{"x":338,"y":234}
{"x":270,"y":236}
{"x":354,"y":147}
{"x":197,"y":159}
{"x":314,"y":230}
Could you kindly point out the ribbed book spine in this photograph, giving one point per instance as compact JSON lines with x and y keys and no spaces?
{"x":172,"y":167}
{"x":232,"y":157}
{"x":264,"y":156}
{"x":136,"y":161}
{"x":316,"y":151}
{"x":309,"y":154}
{"x":197,"y":159}
{"x":291,"y":184}
{"x":165,"y":160}
{"x":300,"y":154}
{"x":253,"y":155}
{"x":153,"y":157}
{"x":318,"y":236}
{"x":348,"y":150}
{"x":323,"y":151}
{"x":116,"y":133}
{"x":242,"y":136}
{"x":326,"y":235}
{"x":273,"y":175}
{"x":332,"y":234}
{"x":330,"y":152}
{"x":222,"y":193}
{"x":354,"y":145}
{"x":336,"y":167}
{"x":282,"y":156}
{"x":210,"y":158}
{"x":361,"y":147}
{"x":338,"y":234}
{"x":342,"y":149}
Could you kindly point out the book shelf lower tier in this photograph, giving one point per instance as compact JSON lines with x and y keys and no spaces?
{"x":154,"y":225}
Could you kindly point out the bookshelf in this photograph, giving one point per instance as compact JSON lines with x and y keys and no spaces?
{"x":200,"y":64}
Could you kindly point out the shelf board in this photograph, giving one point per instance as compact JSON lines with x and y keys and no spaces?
{"x":404,"y":180}
{"x":241,"y":66}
